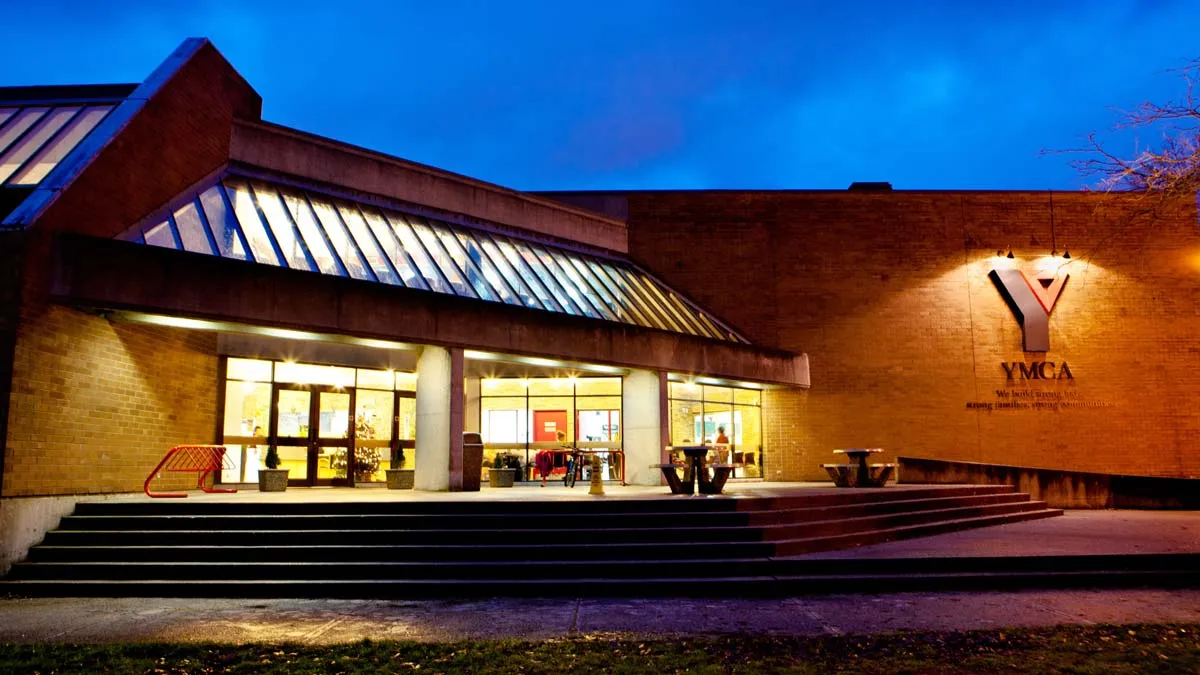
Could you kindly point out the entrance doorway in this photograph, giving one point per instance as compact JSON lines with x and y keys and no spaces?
{"x":310,"y":428}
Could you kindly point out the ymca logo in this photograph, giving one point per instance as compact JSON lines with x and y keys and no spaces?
{"x":1031,"y":300}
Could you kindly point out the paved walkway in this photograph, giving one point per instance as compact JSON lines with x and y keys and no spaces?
{"x":329,"y":621}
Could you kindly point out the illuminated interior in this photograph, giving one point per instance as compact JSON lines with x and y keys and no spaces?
{"x":365,"y":443}
{"x":701,"y":412}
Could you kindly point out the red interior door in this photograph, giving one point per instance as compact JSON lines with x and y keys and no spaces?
{"x":547,"y":424}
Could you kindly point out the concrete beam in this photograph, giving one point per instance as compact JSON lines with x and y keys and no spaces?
{"x":111,"y":274}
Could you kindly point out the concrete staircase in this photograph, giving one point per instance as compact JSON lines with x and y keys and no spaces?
{"x":410,"y":549}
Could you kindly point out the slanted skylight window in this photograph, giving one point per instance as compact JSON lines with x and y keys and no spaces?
{"x":34,"y":139}
{"x":285,"y":226}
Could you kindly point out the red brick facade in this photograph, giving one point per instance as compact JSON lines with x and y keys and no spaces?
{"x":889,"y":295}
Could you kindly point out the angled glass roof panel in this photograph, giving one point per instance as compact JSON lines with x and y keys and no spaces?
{"x":495,"y":278}
{"x":577,"y":288}
{"x":547,"y":278}
{"x":192,"y":233}
{"x":412,"y":245}
{"x":314,"y":236}
{"x":52,"y":153}
{"x":28,"y":145}
{"x":339,"y":238}
{"x":472,"y":272}
{"x":367,"y":244}
{"x":161,"y":235}
{"x":442,"y":259}
{"x":18,"y":125}
{"x":261,"y":245}
{"x":527,"y":274}
{"x":405,"y":266}
{"x":222,"y":223}
{"x":653,"y":302}
{"x":286,"y":235}
{"x":6,"y":113}
{"x":629,"y":295}
{"x":295,"y":227}
{"x":523,"y":286}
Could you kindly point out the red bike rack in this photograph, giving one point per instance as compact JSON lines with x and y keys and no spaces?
{"x":203,"y":459}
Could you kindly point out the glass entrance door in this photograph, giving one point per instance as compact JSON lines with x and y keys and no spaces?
{"x":311,"y":429}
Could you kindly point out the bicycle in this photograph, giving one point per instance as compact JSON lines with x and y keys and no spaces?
{"x":574,"y":463}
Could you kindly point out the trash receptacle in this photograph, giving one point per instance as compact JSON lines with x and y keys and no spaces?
{"x":472,"y":461}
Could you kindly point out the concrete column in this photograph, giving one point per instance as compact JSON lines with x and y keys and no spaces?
{"x":439,"y":418}
{"x":643,"y":409}
{"x":471,"y":414}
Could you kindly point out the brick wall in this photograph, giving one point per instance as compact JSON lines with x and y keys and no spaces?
{"x":888,"y":294}
{"x":95,"y":405}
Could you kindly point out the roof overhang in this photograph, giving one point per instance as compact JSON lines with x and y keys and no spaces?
{"x":109,"y":274}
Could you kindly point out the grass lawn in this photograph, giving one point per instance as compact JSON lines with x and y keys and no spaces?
{"x":1069,"y":649}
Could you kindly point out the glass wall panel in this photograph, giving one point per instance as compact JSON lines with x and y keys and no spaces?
{"x":376,"y":379}
{"x":281,"y":225}
{"x":222,"y":224}
{"x":720,"y":394}
{"x":192,"y":232}
{"x":52,"y":154}
{"x":685,"y":390}
{"x":597,"y":386}
{"x":551,"y":386}
{"x":252,"y":370}
{"x":22,"y":150}
{"x":366,"y":243}
{"x":247,"y":419}
{"x":550,"y":414}
{"x":252,"y":226}
{"x":503,"y":420}
{"x":373,"y":432}
{"x":683,"y":428}
{"x":496,"y":386}
{"x":314,"y":235}
{"x":161,"y":235}
{"x":747,"y":396}
{"x":747,"y":440}
{"x":294,"y":458}
{"x":307,"y":373}
{"x":19,"y":125}
{"x":406,"y":381}
{"x":339,"y":238}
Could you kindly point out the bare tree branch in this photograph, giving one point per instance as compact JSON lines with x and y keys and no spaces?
{"x":1168,"y":168}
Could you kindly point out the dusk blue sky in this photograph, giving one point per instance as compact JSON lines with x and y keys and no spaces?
{"x":662,"y":94}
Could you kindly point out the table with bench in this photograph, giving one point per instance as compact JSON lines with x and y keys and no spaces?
{"x":856,"y":472}
{"x":695,"y":471}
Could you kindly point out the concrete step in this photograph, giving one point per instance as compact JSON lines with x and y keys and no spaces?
{"x":400,"y":553}
{"x":805,"y":545}
{"x":836,"y":526}
{"x":673,"y":586}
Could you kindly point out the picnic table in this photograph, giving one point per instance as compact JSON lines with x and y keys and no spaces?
{"x":857,"y":473}
{"x":695,"y":472}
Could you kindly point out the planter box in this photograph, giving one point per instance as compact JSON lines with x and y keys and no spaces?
{"x":501,"y":478}
{"x":400,"y":479}
{"x":272,"y":480}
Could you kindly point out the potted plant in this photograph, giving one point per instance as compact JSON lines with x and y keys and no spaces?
{"x":502,"y":472}
{"x":399,"y":478}
{"x":272,"y":478}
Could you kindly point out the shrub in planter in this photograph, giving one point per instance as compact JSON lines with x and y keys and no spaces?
{"x":272,"y":478}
